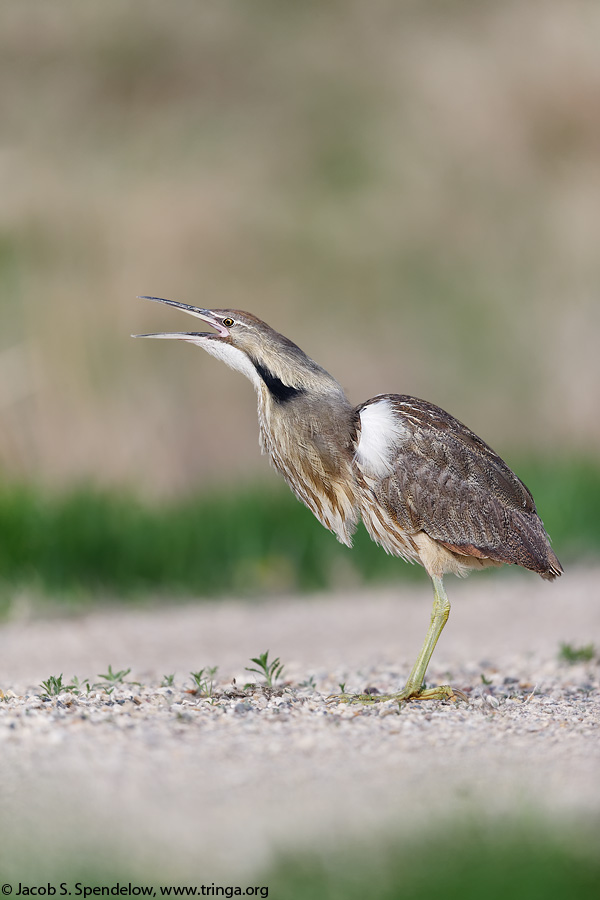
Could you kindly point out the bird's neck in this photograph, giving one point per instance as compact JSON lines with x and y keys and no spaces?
{"x":309,"y":438}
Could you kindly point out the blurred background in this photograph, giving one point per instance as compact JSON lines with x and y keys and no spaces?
{"x":410,"y":191}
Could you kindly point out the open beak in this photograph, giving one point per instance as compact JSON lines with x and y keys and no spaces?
{"x":205,"y":314}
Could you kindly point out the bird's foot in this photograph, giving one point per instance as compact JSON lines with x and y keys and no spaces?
{"x":441,"y":692}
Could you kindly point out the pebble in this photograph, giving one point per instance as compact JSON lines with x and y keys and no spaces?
{"x":564,"y":703}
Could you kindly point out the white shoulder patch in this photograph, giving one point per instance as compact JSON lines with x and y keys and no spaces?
{"x":381,"y":433}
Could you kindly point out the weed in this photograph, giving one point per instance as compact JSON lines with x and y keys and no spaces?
{"x":271,"y":671}
{"x":168,"y":680}
{"x":485,"y":680}
{"x":204,"y":680}
{"x":114,"y":678}
{"x":54,"y":686}
{"x":78,"y":686}
{"x":570,"y":654}
{"x":342,"y":687}
{"x":309,"y":683}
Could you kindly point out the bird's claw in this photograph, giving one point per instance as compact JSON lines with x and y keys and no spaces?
{"x":441,"y":692}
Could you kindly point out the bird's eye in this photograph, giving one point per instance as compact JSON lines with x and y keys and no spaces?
{"x":228,"y":322}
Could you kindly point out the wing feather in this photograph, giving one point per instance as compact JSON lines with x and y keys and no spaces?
{"x":432,"y":474}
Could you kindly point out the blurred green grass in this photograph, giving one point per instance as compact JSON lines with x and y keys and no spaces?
{"x":464,"y":863}
{"x":87,"y":542}
{"x":523,"y":858}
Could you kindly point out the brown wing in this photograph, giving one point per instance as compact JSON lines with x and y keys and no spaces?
{"x":444,"y":480}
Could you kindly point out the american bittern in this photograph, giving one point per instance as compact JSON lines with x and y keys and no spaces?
{"x":426,"y":487}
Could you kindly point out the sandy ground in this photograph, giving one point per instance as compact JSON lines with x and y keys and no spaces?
{"x":174,"y":783}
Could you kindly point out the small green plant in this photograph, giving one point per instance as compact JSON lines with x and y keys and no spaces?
{"x":485,"y":680}
{"x":204,"y":680}
{"x":168,"y":680}
{"x":78,"y":687}
{"x":342,"y":687}
{"x":570,"y":654}
{"x":54,"y":686}
{"x":271,"y":671}
{"x":114,"y":678}
{"x":309,"y":683}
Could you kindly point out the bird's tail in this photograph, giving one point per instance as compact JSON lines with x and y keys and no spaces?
{"x":534,"y":551}
{"x":554,"y":567}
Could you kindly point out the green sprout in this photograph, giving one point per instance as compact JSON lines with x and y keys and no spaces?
{"x":77,"y":686}
{"x":570,"y":654}
{"x":271,"y":671}
{"x":54,"y":686}
{"x":114,"y":678}
{"x":204,"y":680}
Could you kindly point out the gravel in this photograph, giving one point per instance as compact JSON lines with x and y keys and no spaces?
{"x":176,"y":782}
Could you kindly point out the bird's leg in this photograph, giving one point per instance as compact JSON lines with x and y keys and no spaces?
{"x":413,"y":689}
{"x":439,"y":616}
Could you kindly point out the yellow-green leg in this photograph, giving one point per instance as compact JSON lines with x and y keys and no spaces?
{"x":416,"y":679}
{"x":413,"y":689}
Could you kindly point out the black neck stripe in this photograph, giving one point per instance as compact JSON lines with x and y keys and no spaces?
{"x":279,"y":391}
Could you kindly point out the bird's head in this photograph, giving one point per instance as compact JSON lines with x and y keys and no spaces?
{"x":242,"y":341}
